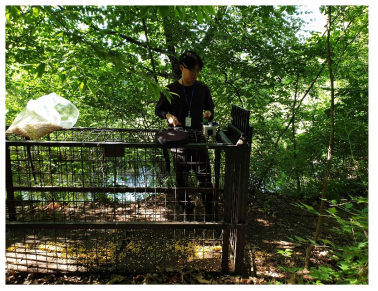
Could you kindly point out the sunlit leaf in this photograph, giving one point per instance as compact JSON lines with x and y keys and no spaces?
{"x":82,"y":87}
{"x":35,"y":11}
{"x":91,"y":88}
{"x":332,"y":210}
{"x":199,"y":16}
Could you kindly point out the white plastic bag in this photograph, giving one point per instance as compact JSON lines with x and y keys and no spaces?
{"x":44,"y":115}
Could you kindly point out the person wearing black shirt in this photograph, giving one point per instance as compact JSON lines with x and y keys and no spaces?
{"x":187,"y":109}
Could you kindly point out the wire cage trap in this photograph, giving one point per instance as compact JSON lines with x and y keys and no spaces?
{"x":91,"y":199}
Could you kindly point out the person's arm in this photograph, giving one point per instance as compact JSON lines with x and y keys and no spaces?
{"x":209,"y":106}
{"x":162,"y":107}
{"x":162,"y":110}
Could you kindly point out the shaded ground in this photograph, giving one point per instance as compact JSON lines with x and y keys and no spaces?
{"x":273,"y":249}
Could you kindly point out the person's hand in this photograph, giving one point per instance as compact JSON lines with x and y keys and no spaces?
{"x":207,"y":114}
{"x":172,"y":119}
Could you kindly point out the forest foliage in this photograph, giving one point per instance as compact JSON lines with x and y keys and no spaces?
{"x":112,"y":62}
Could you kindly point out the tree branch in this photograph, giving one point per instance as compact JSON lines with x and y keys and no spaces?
{"x":210,"y":32}
{"x":127,"y":38}
{"x":121,"y":35}
{"x":169,"y":40}
{"x":236,"y":89}
{"x":149,"y":51}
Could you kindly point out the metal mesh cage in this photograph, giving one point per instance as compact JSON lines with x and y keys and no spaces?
{"x":112,"y":199}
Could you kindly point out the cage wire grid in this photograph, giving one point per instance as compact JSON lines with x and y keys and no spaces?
{"x":89,"y":199}
{"x":104,"y":250}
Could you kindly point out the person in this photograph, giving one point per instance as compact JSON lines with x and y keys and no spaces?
{"x":188,"y":109}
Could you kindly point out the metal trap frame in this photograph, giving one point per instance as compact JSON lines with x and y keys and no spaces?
{"x":105,"y":199}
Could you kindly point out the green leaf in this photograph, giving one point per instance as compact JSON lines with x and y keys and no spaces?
{"x":82,"y":87}
{"x":298,"y":238}
{"x":75,"y":86}
{"x":310,"y":208}
{"x":312,"y":241}
{"x":91,"y":88}
{"x":163,"y":11}
{"x":181,"y":11}
{"x":332,"y":210}
{"x":199,"y":16}
{"x":326,"y":241}
{"x":349,"y":205}
{"x":207,"y":12}
{"x":62,"y":77}
{"x":144,"y":11}
{"x":362,"y":245}
{"x":40,"y":70}
{"x":35,"y":11}
{"x":209,"y":9}
{"x":15,"y":11}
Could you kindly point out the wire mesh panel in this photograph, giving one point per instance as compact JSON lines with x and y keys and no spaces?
{"x":112,"y":250}
{"x":113,"y":199}
{"x":64,"y":180}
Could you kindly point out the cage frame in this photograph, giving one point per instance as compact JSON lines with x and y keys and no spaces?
{"x":237,"y":159}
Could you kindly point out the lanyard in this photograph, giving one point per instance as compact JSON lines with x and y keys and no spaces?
{"x":189,"y":105}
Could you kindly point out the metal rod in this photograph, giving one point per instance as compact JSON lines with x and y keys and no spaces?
{"x":115,"y":144}
{"x":31,"y":163}
{"x":122,"y":225}
{"x":9,"y":186}
{"x":116,"y":189}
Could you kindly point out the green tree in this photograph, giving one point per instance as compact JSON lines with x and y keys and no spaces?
{"x":113,"y":62}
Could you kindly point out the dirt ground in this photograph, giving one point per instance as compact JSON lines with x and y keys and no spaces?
{"x":273,"y":250}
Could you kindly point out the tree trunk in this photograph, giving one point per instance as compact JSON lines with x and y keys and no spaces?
{"x":286,"y":128}
{"x":330,"y":148}
{"x":294,"y":140}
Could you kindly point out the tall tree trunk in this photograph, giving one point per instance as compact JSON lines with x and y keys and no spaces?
{"x":330,"y":148}
{"x":294,"y":140}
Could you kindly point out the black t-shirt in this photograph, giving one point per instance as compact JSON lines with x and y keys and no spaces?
{"x":178,"y":107}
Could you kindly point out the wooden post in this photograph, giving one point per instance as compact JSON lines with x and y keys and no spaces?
{"x":227,"y":204}
{"x":239,"y":250}
{"x":241,"y":193}
{"x":225,"y":252}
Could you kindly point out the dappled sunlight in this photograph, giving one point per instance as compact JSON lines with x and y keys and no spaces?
{"x":272,"y":272}
{"x":44,"y":258}
{"x":265,"y":222}
{"x":266,"y":268}
{"x":202,"y":252}
{"x":281,"y":244}
{"x":47,"y":252}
